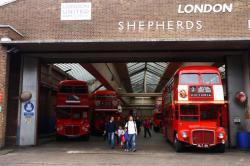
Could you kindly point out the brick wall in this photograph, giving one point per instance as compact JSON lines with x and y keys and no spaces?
{"x":40,"y":20}
{"x":3,"y":91}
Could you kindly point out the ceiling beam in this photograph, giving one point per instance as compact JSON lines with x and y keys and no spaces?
{"x":167,"y":75}
{"x":122,"y":71}
{"x":91,"y":69}
{"x":145,"y":80}
{"x":140,"y":94}
{"x":102,"y":78}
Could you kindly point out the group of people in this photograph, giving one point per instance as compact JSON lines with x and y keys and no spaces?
{"x":126,"y":132}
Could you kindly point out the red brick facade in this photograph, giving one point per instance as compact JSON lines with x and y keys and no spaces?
{"x":40,"y":20}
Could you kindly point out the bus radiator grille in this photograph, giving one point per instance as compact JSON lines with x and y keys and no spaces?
{"x":203,"y":137}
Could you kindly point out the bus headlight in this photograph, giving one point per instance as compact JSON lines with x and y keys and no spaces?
{"x":85,"y":129}
{"x":184,"y":134}
{"x":221,"y":135}
{"x":59,"y":128}
{"x":114,"y":103}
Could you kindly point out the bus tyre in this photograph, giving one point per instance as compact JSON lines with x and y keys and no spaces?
{"x":221,"y":148}
{"x":85,"y":137}
{"x":156,"y":129}
{"x":59,"y":138}
{"x":178,"y":145}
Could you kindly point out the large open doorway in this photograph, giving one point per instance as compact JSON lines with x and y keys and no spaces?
{"x":142,"y":69}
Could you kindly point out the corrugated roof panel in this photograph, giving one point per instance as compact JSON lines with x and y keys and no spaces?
{"x":153,"y":70}
{"x":76,"y":71}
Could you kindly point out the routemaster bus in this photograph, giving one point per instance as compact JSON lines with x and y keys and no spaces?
{"x":105,"y":105}
{"x":195,"y":111}
{"x":72,"y":109}
{"x":157,"y":115}
{"x":157,"y":121}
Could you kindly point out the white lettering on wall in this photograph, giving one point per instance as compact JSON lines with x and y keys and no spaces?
{"x":76,"y":11}
{"x":205,"y":8}
{"x":159,"y":25}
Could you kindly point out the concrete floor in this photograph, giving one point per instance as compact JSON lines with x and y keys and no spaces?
{"x":154,"y":151}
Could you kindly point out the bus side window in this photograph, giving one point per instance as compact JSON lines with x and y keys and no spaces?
{"x":176,"y":115}
{"x":176,"y":79}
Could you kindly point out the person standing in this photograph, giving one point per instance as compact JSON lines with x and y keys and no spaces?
{"x":132,"y":132}
{"x":110,"y":130}
{"x":146,"y":125}
{"x":138,"y":124}
{"x":118,"y":123}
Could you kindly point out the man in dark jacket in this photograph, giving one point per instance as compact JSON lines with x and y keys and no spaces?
{"x":110,"y":130}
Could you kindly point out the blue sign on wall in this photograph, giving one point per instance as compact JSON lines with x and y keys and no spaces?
{"x":29,"y":109}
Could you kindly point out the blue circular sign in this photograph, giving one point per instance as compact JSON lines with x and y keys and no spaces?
{"x":29,"y":107}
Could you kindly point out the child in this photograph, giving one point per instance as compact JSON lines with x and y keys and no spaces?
{"x":126,"y":141}
{"x":120,"y":134}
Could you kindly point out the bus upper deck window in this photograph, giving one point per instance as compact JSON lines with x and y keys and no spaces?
{"x":210,"y":78}
{"x":189,"y":78}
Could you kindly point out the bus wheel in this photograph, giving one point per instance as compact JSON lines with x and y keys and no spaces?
{"x":221,"y":148}
{"x":85,"y":137}
{"x":178,"y":145}
{"x":59,"y":138}
{"x":155,"y":129}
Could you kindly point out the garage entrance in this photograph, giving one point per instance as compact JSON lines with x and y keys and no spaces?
{"x":38,"y":59}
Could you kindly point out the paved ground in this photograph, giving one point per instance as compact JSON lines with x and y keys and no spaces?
{"x":151,"y":152}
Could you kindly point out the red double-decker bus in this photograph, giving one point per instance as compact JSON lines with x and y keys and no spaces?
{"x":157,"y":121}
{"x":72,"y":109}
{"x":195,"y":111}
{"x":105,"y":105}
{"x":157,"y":115}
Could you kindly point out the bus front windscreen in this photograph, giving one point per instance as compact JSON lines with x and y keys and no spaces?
{"x":63,"y":113}
{"x":105,"y":97}
{"x":209,"y":112}
{"x":74,"y":89}
{"x":189,"y":113}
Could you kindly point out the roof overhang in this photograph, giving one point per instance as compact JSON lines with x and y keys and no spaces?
{"x":129,"y":51}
